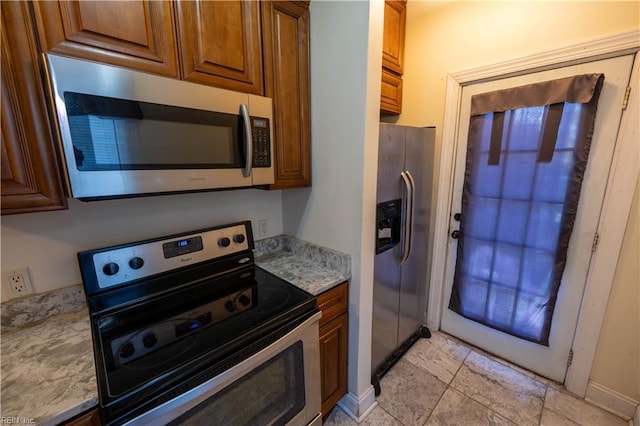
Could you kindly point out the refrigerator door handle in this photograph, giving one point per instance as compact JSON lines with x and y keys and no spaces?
{"x":407,"y":215}
{"x":413,"y":207}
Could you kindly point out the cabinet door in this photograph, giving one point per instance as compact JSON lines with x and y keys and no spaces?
{"x":220,"y":44}
{"x":30,"y":179}
{"x":286,"y":55}
{"x":333,"y":361}
{"x":88,"y":418}
{"x":390,"y":93}
{"x":395,"y":17}
{"x":134,"y":34}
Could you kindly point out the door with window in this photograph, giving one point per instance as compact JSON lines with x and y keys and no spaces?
{"x":532,"y":161}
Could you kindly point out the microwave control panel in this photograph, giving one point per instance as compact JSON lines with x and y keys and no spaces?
{"x":261,"y":142}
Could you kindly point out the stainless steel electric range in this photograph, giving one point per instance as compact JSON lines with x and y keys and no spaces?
{"x":187,"y":330}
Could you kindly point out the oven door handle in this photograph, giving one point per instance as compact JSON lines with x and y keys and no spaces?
{"x":248,"y":142}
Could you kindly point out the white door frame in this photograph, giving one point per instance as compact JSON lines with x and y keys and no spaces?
{"x":617,"y":203}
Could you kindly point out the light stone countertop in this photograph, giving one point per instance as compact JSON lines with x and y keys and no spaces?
{"x":48,"y":374}
{"x":46,"y":353}
{"x":307,"y":274}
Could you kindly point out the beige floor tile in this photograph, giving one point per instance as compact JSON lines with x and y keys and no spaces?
{"x":409,"y":393}
{"x":551,"y":418}
{"x":563,"y":405}
{"x":456,"y":409}
{"x":438,"y":355}
{"x":510,"y":393}
{"x":339,"y":418}
{"x":377,"y":417}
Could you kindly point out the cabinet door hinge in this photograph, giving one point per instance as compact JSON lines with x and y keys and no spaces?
{"x":594,"y":245}
{"x":625,"y":99}
{"x":570,"y":359}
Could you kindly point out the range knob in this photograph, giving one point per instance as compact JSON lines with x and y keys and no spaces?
{"x":136,"y":262}
{"x":110,"y":268}
{"x":244,"y":300}
{"x":239,"y":238}
{"x":229,"y":306}
{"x":224,"y":242}
{"x":149,"y":340}
{"x":127,"y":350}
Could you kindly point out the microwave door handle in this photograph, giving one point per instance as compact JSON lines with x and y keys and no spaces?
{"x":246,"y":172}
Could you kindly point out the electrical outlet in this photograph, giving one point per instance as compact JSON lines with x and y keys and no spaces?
{"x":16,"y":283}
{"x":263,"y":228}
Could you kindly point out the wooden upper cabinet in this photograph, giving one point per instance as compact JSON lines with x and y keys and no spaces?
{"x":391,"y":93}
{"x":286,"y":59}
{"x":30,"y":180}
{"x":133,"y":34}
{"x":220,"y":44}
{"x":395,"y":17}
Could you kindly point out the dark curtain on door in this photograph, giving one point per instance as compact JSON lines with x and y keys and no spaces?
{"x":526,"y":156}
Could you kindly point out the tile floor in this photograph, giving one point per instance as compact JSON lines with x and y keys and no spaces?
{"x":442,"y":381}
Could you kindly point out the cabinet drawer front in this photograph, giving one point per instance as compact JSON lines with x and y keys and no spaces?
{"x":333,"y":302}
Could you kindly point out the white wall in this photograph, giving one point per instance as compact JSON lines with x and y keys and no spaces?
{"x":338,"y":211}
{"x":617,"y":362}
{"x":447,"y":37}
{"x":47,"y":242}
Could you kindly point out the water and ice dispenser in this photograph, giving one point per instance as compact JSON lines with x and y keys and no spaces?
{"x":388,"y":219}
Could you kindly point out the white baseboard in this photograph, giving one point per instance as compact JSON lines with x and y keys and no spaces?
{"x":612,"y":401}
{"x":358,"y":407}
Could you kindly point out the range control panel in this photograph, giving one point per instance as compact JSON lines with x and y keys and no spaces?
{"x":134,"y":345}
{"x":122,"y":264}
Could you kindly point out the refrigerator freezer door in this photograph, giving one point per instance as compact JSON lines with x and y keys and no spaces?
{"x":390,"y":161}
{"x":386,"y":275}
{"x":384,"y":338}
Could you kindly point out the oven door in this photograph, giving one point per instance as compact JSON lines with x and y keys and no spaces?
{"x":127,"y":133}
{"x":278,"y":385}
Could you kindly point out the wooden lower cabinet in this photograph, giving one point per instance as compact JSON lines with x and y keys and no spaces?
{"x":334,"y":328}
{"x":88,"y":418}
{"x":333,"y":359}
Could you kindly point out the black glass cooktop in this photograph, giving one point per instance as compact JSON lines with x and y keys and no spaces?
{"x":149,"y":345}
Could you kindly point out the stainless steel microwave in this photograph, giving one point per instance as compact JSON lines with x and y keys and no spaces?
{"x":125,"y":133}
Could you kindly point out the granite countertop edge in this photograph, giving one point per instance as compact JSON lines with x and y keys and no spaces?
{"x":49,"y":334}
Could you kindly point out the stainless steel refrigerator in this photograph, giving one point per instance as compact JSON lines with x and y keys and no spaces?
{"x":401,"y":266}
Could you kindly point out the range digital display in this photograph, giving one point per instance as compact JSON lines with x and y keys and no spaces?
{"x":181,"y":247}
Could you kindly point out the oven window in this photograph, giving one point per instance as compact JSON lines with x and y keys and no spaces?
{"x":120,"y":134}
{"x":271,"y":394}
